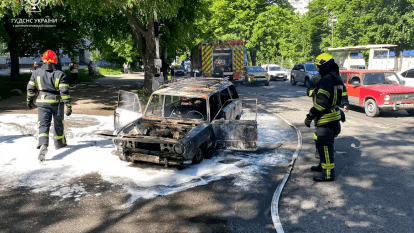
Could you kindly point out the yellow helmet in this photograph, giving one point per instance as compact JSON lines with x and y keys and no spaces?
{"x":321,"y":59}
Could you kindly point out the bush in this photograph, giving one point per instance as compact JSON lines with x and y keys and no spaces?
{"x":6,"y":86}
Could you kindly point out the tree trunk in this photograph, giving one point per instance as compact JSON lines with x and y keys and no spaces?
{"x":396,"y":63}
{"x":253,"y":56}
{"x":165,"y":63}
{"x":145,"y":38}
{"x":14,"y":56}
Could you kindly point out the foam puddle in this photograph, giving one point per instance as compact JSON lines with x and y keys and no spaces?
{"x":87,"y":153}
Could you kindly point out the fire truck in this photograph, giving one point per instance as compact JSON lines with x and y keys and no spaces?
{"x":228,"y":53}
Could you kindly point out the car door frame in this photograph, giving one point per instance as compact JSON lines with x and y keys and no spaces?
{"x":236,"y":134}
{"x":353,"y":91}
{"x":123,"y":115}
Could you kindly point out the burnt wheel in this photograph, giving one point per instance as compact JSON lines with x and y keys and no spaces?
{"x":198,"y":157}
{"x":371,"y":108}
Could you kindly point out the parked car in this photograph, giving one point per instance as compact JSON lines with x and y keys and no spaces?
{"x":303,"y":72}
{"x":179,"y":71}
{"x":255,"y":74}
{"x":182,"y":122}
{"x":275,"y":72}
{"x":407,"y":77}
{"x":377,"y":90}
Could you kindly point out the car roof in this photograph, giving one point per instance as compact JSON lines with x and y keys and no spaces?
{"x":199,"y":87}
{"x":364,"y":71}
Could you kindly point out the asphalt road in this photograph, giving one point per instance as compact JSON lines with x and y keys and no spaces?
{"x":374,"y":164}
{"x":373,"y":191}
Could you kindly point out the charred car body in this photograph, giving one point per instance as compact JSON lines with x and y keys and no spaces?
{"x":182,"y":121}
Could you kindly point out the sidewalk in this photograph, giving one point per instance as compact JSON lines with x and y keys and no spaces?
{"x":92,"y":98}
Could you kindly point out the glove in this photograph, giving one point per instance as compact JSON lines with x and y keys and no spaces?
{"x":308,"y":122}
{"x":30,"y":104}
{"x":68,"y":110}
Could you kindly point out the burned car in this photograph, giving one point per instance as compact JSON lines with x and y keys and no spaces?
{"x":182,"y":122}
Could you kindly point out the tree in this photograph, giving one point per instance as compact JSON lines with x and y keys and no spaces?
{"x":361,"y":22}
{"x":66,"y":33}
{"x":269,"y":32}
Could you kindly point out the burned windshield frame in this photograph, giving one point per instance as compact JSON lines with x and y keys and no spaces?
{"x":176,"y":107}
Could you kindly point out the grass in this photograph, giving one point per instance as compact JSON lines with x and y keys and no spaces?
{"x":114,"y":70}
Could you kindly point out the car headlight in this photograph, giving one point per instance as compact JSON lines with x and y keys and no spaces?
{"x":179,"y":149}
{"x":387,"y":97}
{"x":119,"y":142}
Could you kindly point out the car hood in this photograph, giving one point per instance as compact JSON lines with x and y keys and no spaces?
{"x":390,"y":89}
{"x":277,"y":72}
{"x":257,"y":73}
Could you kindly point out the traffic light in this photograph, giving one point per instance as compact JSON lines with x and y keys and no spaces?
{"x":157,"y":29}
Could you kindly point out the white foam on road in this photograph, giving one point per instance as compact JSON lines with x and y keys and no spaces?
{"x":87,"y":153}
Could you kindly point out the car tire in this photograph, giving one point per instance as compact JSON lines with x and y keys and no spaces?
{"x":307,"y":82}
{"x":209,"y":153}
{"x":292,"y":80}
{"x":267,"y":83}
{"x":199,"y":156}
{"x":371,"y":108}
{"x":246,"y":81}
{"x":410,"y":111}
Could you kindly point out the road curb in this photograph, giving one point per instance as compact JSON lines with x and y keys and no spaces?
{"x":278,"y":191}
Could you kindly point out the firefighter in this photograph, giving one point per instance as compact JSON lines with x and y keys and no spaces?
{"x":334,"y":71}
{"x":327,"y":96}
{"x":218,"y":71}
{"x":52,"y":90}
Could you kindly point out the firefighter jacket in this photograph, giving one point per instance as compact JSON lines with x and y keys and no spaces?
{"x":344,"y":95}
{"x":327,"y":96}
{"x":50,"y":86}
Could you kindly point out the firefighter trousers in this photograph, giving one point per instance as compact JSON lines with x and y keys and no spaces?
{"x":325,"y":144}
{"x":45,"y":115}
{"x":337,"y":131}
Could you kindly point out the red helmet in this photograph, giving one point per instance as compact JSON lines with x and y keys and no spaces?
{"x":49,"y":57}
{"x":217,"y":62}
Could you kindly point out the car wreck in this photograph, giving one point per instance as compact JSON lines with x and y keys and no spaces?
{"x":182,"y":122}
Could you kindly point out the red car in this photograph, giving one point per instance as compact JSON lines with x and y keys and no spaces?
{"x":377,"y":90}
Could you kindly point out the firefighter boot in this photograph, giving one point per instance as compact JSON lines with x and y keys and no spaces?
{"x":326,"y":175}
{"x":42,"y":153}
{"x":317,"y":168}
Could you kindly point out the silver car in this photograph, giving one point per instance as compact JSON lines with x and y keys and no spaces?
{"x":303,"y":72}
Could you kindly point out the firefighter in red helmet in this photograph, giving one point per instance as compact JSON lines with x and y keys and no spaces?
{"x":52,"y":90}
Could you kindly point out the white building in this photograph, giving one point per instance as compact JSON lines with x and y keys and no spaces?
{"x":300,"y":5}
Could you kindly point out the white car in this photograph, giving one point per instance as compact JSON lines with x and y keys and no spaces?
{"x":408,"y":77}
{"x":275,"y":72}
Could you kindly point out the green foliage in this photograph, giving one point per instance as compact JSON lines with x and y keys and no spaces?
{"x":6,"y":86}
{"x":110,"y":70}
{"x":95,"y":55}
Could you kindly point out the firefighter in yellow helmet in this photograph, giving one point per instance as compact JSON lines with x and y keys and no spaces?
{"x":327,"y":96}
